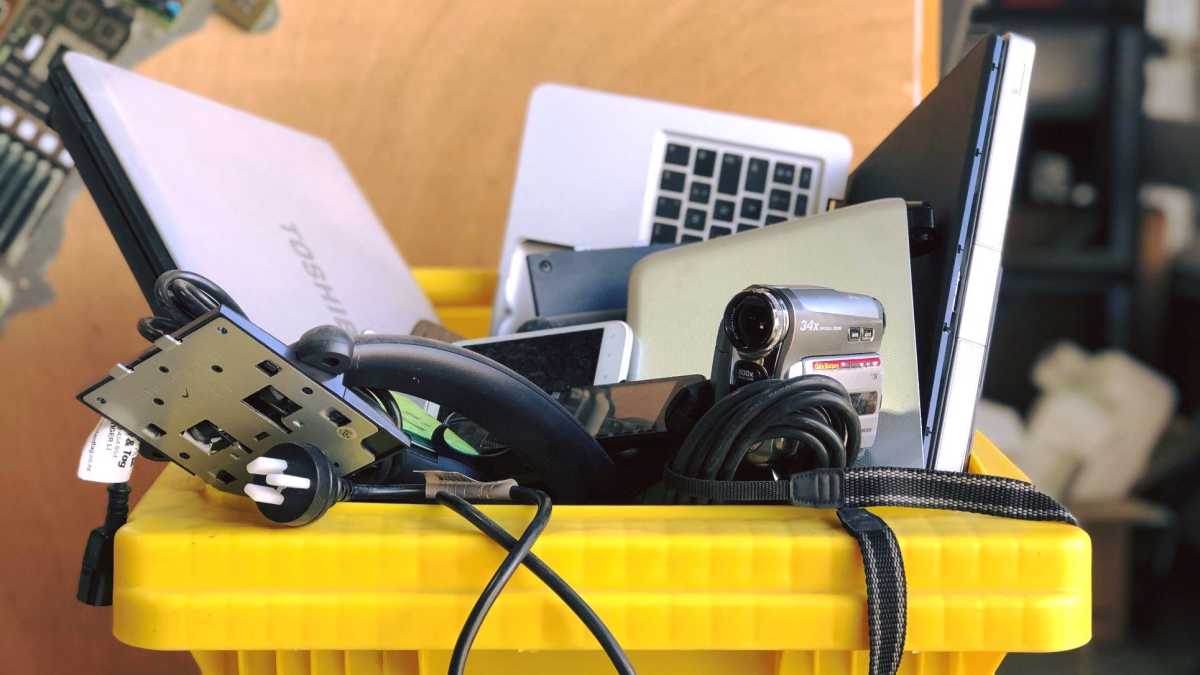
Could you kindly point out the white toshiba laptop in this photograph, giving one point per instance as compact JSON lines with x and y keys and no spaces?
{"x":267,"y":212}
{"x":600,"y":170}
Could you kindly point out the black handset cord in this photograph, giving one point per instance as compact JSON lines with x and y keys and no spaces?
{"x":179,"y":297}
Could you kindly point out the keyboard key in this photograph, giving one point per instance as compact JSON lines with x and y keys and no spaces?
{"x":785,"y":173}
{"x":705,"y":161}
{"x":690,"y":239}
{"x":672,"y":180}
{"x":806,"y":177}
{"x":781,"y":200}
{"x":756,"y":175}
{"x":718,"y":231}
{"x":700,"y":193}
{"x":694,"y":220}
{"x":731,"y":171}
{"x":678,"y":154}
{"x":663,"y":233}
{"x":801,"y":205}
{"x":667,"y":208}
{"x":751,"y":208}
{"x":723,"y":210}
{"x":772,"y":219}
{"x":746,"y":227}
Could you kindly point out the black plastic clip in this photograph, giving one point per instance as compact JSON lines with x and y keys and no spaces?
{"x":822,"y":488}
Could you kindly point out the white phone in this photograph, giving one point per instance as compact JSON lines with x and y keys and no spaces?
{"x":557,"y":359}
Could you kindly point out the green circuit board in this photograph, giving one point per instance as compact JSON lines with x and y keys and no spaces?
{"x":34,"y":167}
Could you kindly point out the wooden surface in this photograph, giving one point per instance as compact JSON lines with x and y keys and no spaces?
{"x":425,"y":101}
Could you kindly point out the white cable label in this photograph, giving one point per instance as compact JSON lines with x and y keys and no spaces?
{"x":108,"y":454}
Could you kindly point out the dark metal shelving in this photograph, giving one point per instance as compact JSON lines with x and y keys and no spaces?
{"x":1072,"y":273}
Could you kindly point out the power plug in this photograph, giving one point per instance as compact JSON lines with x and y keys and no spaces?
{"x":294,"y":484}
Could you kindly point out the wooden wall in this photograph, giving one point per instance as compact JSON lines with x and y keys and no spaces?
{"x":425,"y":100}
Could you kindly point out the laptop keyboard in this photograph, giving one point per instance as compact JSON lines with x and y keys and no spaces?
{"x":710,"y":189}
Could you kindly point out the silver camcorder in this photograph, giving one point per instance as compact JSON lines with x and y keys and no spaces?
{"x":781,"y":332}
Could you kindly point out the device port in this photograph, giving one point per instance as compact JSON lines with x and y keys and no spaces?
{"x":336,"y":417}
{"x":209,"y":437}
{"x":272,"y":405}
{"x":154,"y":431}
{"x":269,"y":367}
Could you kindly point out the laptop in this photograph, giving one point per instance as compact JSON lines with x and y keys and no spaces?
{"x":957,"y":151}
{"x":600,"y":170}
{"x":269,"y":213}
{"x":677,"y":298}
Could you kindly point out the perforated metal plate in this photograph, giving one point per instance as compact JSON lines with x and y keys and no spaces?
{"x":220,"y":382}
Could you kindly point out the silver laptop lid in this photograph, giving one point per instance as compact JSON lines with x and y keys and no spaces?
{"x":269,"y":213}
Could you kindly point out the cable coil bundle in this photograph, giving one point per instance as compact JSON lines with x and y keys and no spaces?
{"x":813,"y":413}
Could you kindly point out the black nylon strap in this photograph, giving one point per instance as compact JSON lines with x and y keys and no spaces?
{"x":883,"y":566}
{"x":729,"y":491}
{"x":849,"y":490}
{"x":921,"y":488}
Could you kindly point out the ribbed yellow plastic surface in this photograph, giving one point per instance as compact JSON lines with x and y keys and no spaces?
{"x":383,"y":589}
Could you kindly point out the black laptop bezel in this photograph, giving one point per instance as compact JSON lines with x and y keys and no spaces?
{"x":119,"y":204}
{"x":935,"y":357}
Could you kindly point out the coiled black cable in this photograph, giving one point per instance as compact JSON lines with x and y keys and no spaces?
{"x":178,"y":298}
{"x":813,"y":412}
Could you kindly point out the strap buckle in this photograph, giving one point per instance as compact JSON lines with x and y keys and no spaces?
{"x":822,"y":488}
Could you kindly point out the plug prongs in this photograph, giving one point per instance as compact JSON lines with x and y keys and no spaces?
{"x":265,"y":466}
{"x":283,"y":480}
{"x":263,"y":494}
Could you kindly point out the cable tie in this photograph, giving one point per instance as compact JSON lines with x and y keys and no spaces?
{"x":454,"y":483}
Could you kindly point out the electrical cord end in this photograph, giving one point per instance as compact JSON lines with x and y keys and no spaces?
{"x":294,"y":484}
{"x":96,"y":573}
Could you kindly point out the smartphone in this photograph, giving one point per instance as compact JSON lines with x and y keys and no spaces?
{"x":621,"y":415}
{"x":631,"y":413}
{"x":558,"y":359}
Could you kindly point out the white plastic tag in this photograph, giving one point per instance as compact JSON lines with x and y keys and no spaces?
{"x":108,"y":454}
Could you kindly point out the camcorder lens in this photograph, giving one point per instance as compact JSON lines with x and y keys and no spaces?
{"x":750,"y":322}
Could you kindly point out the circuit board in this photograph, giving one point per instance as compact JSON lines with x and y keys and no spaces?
{"x":34,"y":167}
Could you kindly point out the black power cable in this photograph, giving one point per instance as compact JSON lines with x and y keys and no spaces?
{"x":519,"y":553}
{"x":556,"y":583}
{"x":512,"y":561}
{"x":96,"y":574}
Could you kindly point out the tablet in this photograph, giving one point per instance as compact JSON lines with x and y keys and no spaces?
{"x":957,"y":151}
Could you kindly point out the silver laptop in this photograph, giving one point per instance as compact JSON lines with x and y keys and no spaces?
{"x":600,"y":170}
{"x":269,"y":213}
